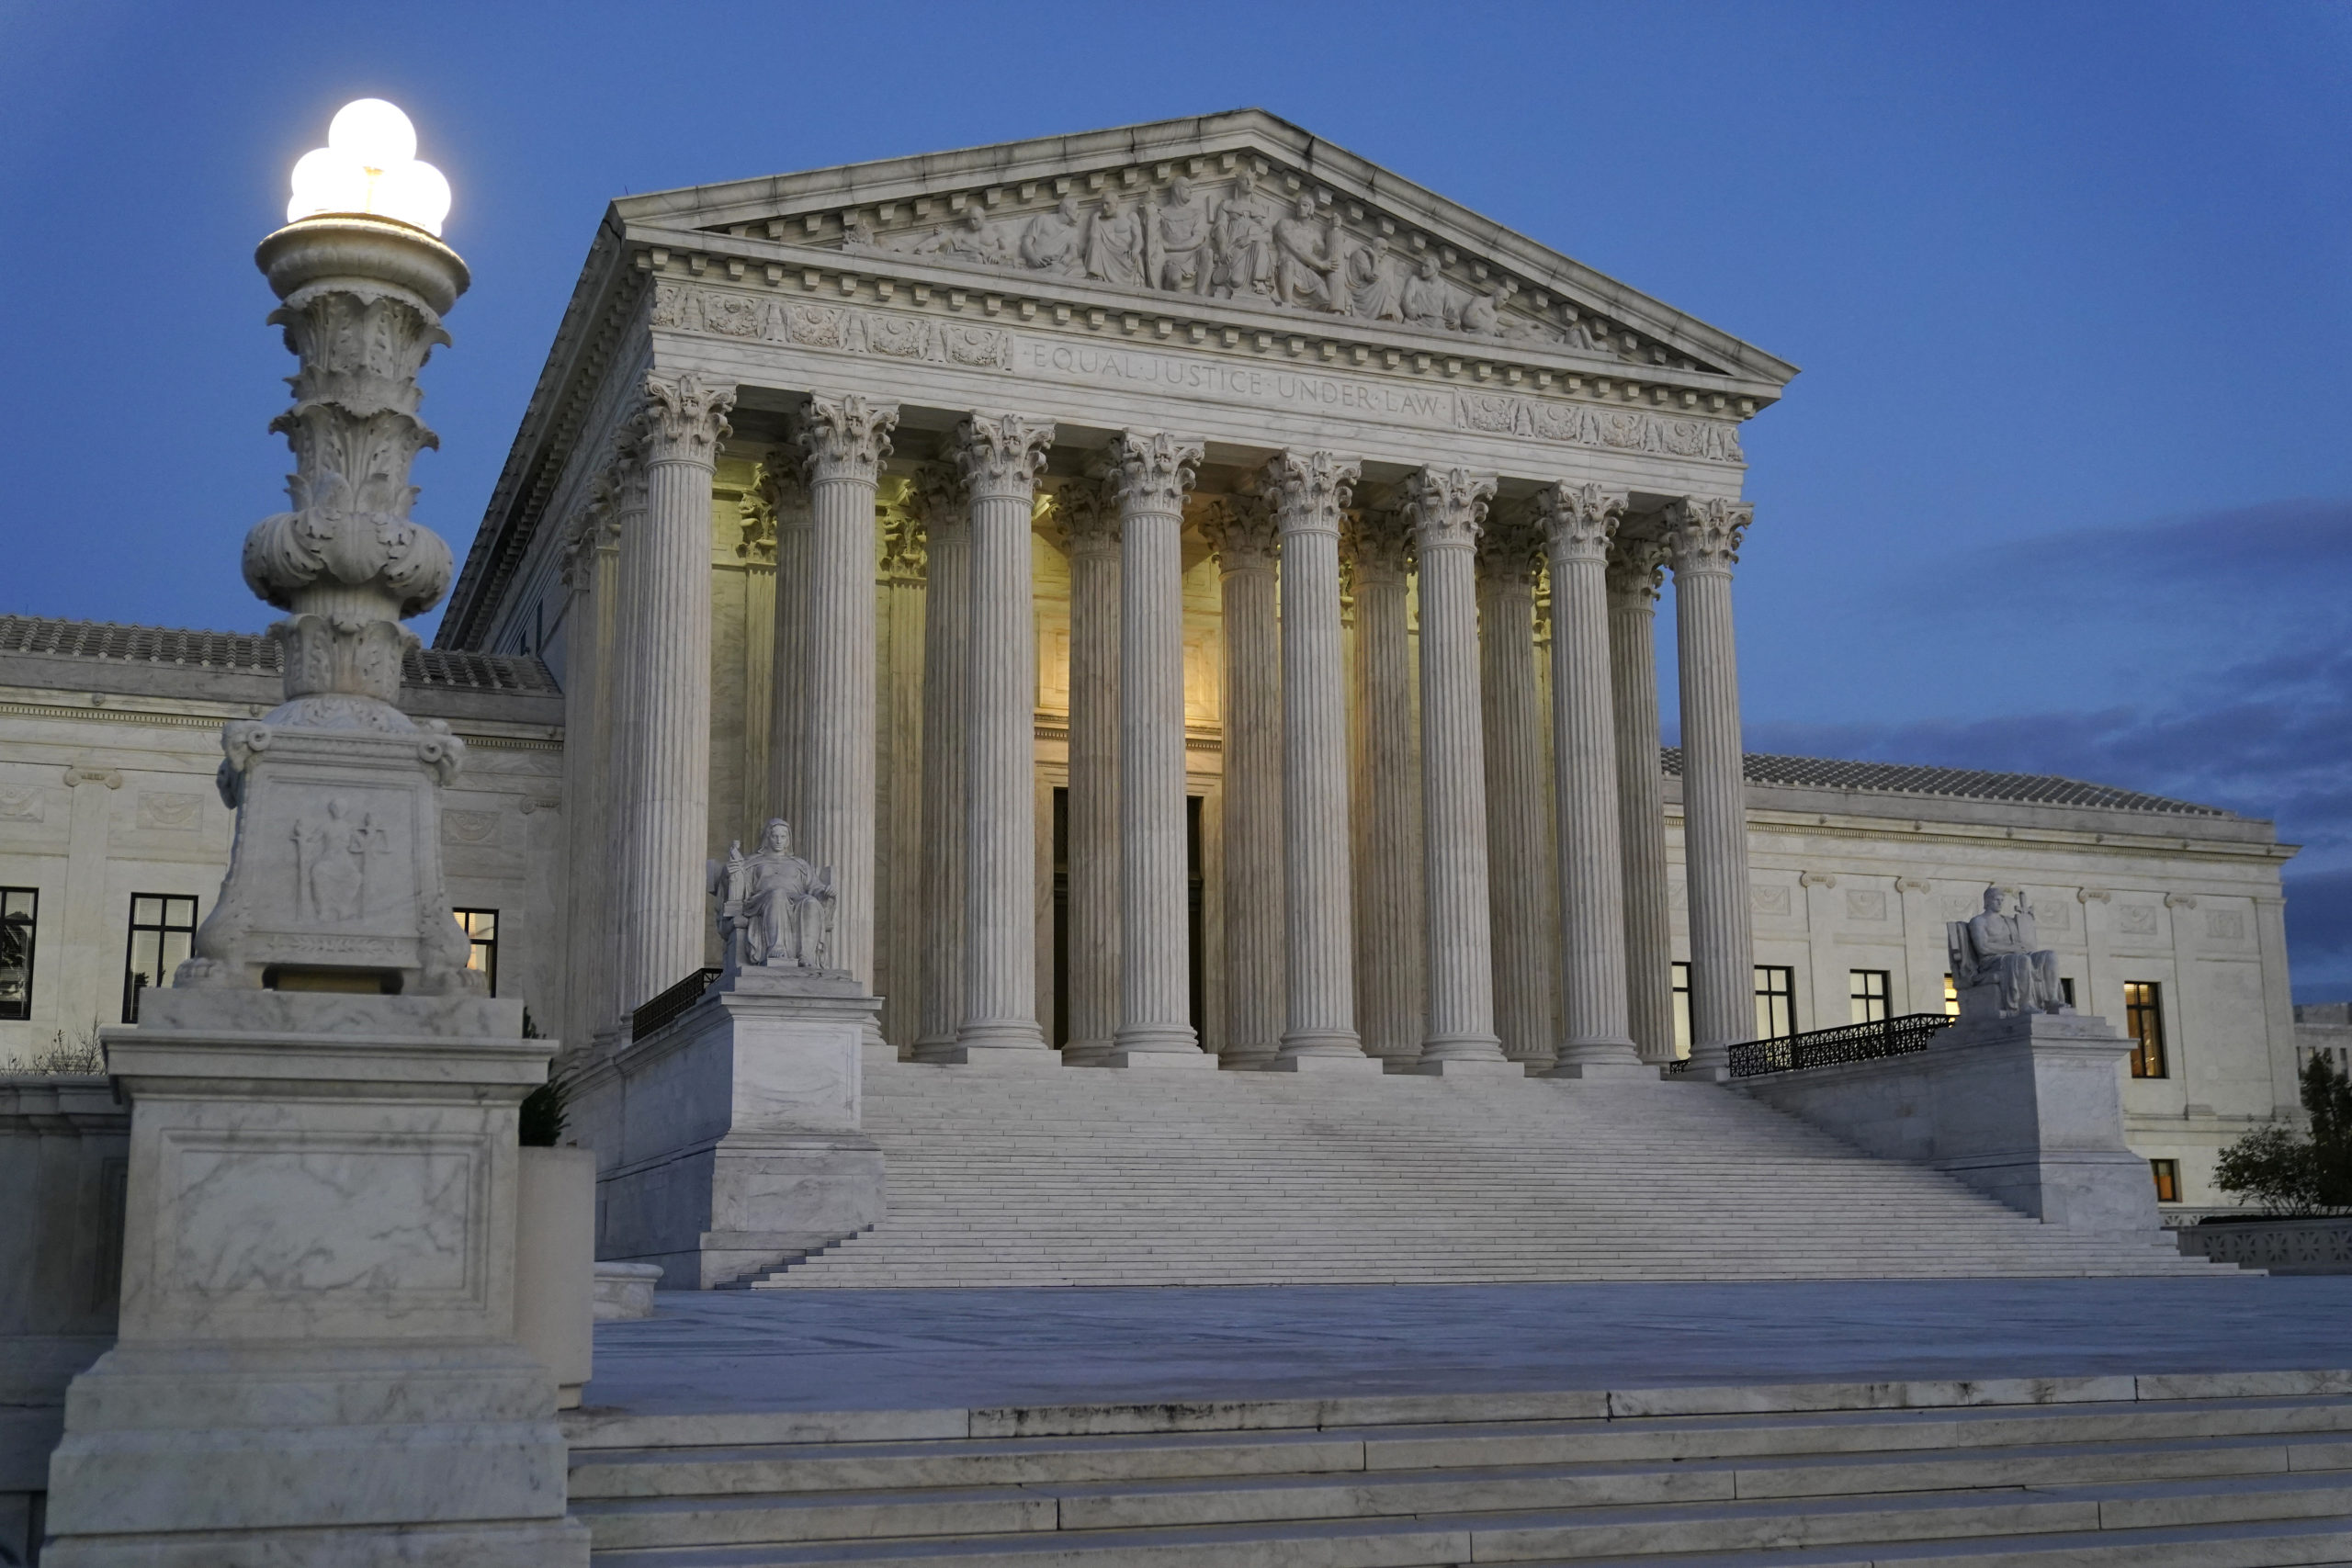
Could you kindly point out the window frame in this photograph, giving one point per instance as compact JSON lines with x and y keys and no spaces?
{"x":2166,"y":1175}
{"x":1679,"y":992}
{"x":30,"y":922}
{"x":1765,"y":996}
{"x":477,"y":944}
{"x":162,"y":930}
{"x":1863,"y":1000}
{"x":2144,"y":1023}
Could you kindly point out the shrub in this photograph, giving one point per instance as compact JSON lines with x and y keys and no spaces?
{"x":539,"y":1120}
{"x":2291,"y":1173}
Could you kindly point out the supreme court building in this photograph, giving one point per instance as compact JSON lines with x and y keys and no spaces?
{"x":1197,"y":591}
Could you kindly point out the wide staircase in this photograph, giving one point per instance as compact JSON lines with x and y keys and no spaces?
{"x":2092,"y":1473}
{"x":1102,"y":1177}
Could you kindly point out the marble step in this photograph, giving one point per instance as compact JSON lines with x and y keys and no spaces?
{"x":1639,"y":1531}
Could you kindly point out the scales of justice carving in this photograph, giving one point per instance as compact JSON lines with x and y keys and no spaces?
{"x":775,"y":909}
{"x":1242,"y":243}
{"x":1996,"y":964}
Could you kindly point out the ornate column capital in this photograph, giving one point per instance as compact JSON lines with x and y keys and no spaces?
{"x":1705,"y":532}
{"x":1088,"y":518}
{"x":1308,"y":491}
{"x":1241,"y":532}
{"x":845,"y":438}
{"x":1151,"y":470}
{"x":1579,"y":521}
{"x":775,"y":487}
{"x":1002,"y":454}
{"x":1378,"y":541}
{"x":1448,"y":507}
{"x":1512,"y":546}
{"x":935,"y":493}
{"x":1638,"y":566}
{"x":593,"y":527}
{"x":685,"y":417}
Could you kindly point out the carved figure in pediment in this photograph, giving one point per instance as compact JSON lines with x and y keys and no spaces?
{"x":1374,"y":294}
{"x":1482,"y":315}
{"x":1427,"y":301}
{"x":1585,"y":333}
{"x":1178,"y":241}
{"x":971,"y":239}
{"x":1114,"y":244}
{"x":1305,"y":272}
{"x":857,"y":233}
{"x":1055,"y":241}
{"x":1245,"y":242}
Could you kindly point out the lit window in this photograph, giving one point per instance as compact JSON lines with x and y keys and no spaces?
{"x":1951,"y":999}
{"x":2167,"y":1174}
{"x":1776,"y":1001}
{"x":2143,"y":1020}
{"x":1681,"y":1010}
{"x":482,"y":943}
{"x":162,"y":927}
{"x":1867,"y":994}
{"x":19,"y":918}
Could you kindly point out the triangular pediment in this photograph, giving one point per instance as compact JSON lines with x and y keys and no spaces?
{"x":1239,"y":212}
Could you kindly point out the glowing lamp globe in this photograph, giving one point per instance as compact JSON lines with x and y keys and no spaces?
{"x":370,"y":166}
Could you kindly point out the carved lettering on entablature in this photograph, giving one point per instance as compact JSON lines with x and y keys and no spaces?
{"x":893,"y":335}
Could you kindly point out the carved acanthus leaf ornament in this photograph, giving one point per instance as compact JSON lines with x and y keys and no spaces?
{"x":1579,"y":521}
{"x":1309,"y":491}
{"x":1637,"y":566}
{"x":685,"y":417}
{"x":1448,"y":507}
{"x":846,"y":437}
{"x":1002,"y":454}
{"x":1705,"y":532}
{"x":1150,"y":471}
{"x":1241,"y":530}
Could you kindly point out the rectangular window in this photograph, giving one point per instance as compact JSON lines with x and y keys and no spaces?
{"x":1868,"y":994}
{"x":19,"y":921}
{"x":2066,"y":988}
{"x":163,"y":925}
{"x":482,"y":943}
{"x":1682,"y":1011}
{"x":2143,"y":1020}
{"x":2167,"y":1174}
{"x":1951,"y":999}
{"x":1776,"y":1001}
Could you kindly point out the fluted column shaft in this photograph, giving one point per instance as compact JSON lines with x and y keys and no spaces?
{"x":1634,"y":567}
{"x":1578,"y":522}
{"x":1092,"y":524}
{"x":845,"y":439}
{"x":1000,"y":455}
{"x":788,"y":670}
{"x":947,"y":642}
{"x":665,"y":798}
{"x":1521,"y":891}
{"x":1309,"y":491}
{"x":1705,"y":534}
{"x":1388,"y":870}
{"x":627,"y":471}
{"x":592,"y":568}
{"x":1241,"y":532}
{"x":1448,"y":509}
{"x":1150,"y":473}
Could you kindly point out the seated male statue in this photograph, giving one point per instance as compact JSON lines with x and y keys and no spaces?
{"x":2000,"y":951}
{"x":775,"y":908}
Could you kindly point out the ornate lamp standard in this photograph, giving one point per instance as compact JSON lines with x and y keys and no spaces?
{"x":317,"y":1361}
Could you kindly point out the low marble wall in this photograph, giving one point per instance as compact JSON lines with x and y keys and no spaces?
{"x":64,"y":1148}
{"x":2283,"y":1247}
{"x":2028,"y":1109}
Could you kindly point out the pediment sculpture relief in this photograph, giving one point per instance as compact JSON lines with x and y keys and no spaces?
{"x":1998,"y":966}
{"x":1239,"y":242}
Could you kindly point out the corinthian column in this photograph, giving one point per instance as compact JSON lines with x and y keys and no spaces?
{"x":665,"y":798}
{"x":626,"y":473}
{"x":1522,"y":893}
{"x":1091,"y":522}
{"x":590,"y":569}
{"x":788,"y":670}
{"x":1636,"y":569}
{"x":1309,"y":490}
{"x":946,"y":632}
{"x":1150,"y":474}
{"x":1578,"y":522}
{"x":1000,"y":455}
{"x":845,"y":439}
{"x":1449,"y":509}
{"x":1705,"y":534}
{"x":1387,"y":815}
{"x":1241,"y":530}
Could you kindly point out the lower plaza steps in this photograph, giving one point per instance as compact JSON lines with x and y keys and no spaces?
{"x":2180,"y":1472}
{"x":1108,"y":1176}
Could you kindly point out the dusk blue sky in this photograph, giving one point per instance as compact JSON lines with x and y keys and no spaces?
{"x":2066,"y":484}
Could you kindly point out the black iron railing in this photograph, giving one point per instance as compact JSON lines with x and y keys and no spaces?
{"x":670,"y":1003}
{"x":1826,"y":1047}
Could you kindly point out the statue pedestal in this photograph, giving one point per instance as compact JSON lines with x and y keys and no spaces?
{"x":728,"y":1140}
{"x":317,"y":1361}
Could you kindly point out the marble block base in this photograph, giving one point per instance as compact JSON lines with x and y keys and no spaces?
{"x":727,"y":1141}
{"x":1000,"y":1058}
{"x":1469,"y":1068}
{"x":625,"y":1290}
{"x":555,"y":1261}
{"x":1161,"y":1061}
{"x":1602,"y":1072}
{"x":1359,"y":1064}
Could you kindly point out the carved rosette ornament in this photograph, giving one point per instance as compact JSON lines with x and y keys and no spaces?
{"x":1638,"y":566}
{"x":1577,"y":521}
{"x":1002,"y":454}
{"x":1705,"y":532}
{"x":1447,"y":506}
{"x":1309,"y":491}
{"x":1150,"y":471}
{"x":845,"y":438}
